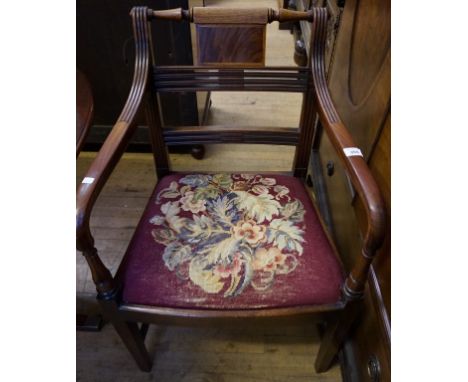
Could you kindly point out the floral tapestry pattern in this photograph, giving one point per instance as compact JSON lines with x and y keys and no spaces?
{"x":225,"y":233}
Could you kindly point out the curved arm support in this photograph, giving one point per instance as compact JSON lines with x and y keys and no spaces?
{"x":356,"y":166}
{"x":110,"y":153}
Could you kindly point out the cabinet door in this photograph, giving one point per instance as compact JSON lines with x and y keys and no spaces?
{"x":359,"y":81}
{"x":371,"y":353}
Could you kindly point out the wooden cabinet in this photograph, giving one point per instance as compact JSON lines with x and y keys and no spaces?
{"x":105,"y":54}
{"x":368,"y":358}
{"x":371,"y":341}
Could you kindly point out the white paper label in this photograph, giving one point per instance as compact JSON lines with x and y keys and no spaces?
{"x":88,"y":180}
{"x":352,"y":152}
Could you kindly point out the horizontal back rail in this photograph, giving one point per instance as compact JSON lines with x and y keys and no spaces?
{"x":218,"y":73}
{"x":178,"y":68}
{"x":225,"y":73}
{"x":231,"y":134}
{"x":193,"y":78}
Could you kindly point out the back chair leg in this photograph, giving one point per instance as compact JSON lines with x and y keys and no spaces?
{"x":334,"y":337}
{"x":133,"y":340}
{"x":129,"y":333}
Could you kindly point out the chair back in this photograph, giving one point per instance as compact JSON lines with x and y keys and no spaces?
{"x":231,"y":57}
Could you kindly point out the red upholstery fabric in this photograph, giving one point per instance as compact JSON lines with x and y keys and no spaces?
{"x":230,"y":242}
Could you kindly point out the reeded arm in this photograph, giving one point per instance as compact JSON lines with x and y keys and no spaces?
{"x":357,"y":168}
{"x":110,"y":153}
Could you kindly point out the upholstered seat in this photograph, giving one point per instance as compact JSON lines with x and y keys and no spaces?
{"x":230,"y":242}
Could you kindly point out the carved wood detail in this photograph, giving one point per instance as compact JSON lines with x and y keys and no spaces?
{"x":109,"y":155}
{"x":231,"y":45}
{"x":220,"y":78}
{"x":84,"y":109}
{"x":231,"y":134}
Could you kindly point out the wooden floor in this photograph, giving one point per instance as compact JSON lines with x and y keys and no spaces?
{"x":244,"y":353}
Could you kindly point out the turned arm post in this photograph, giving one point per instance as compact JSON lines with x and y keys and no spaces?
{"x":109,"y":155}
{"x":360,"y":175}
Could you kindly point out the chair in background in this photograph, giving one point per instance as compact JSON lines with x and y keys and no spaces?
{"x":212,"y":248}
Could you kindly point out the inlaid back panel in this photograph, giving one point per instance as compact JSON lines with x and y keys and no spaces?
{"x":231,"y":45}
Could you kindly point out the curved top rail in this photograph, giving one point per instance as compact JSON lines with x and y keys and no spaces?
{"x":219,"y":15}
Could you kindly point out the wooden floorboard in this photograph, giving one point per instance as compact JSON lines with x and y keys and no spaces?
{"x":245,"y":353}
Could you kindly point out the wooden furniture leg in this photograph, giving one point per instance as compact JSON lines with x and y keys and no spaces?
{"x":335,"y":335}
{"x":129,"y":333}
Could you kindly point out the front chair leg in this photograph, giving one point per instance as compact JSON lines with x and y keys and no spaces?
{"x":129,"y":333}
{"x":335,"y":336}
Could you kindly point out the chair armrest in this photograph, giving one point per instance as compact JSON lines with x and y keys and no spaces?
{"x":118,"y":139}
{"x":96,"y":177}
{"x":356,"y":166}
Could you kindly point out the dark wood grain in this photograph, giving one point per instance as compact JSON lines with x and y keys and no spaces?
{"x":301,"y":160}
{"x":105,"y":53}
{"x":336,"y":333}
{"x":84,"y":109}
{"x":221,"y":15}
{"x":231,"y":45}
{"x":128,"y":332}
{"x":147,"y":84}
{"x":369,"y":346}
{"x":231,"y":134}
{"x":176,"y":14}
{"x":219,"y":78}
{"x":286,"y":15}
{"x":155,"y":123}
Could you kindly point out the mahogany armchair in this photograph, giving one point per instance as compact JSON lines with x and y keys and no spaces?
{"x":227,"y":247}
